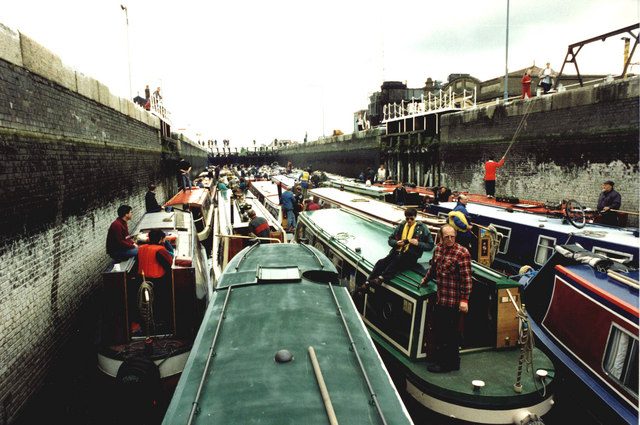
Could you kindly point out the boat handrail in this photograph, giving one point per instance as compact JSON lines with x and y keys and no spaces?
{"x":220,"y":235}
{"x":623,"y":279}
{"x":194,"y":405}
{"x":314,"y":254}
{"x":374,"y":397}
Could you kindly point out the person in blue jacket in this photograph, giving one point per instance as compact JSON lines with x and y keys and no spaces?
{"x":287,"y":201}
{"x":460,"y":220}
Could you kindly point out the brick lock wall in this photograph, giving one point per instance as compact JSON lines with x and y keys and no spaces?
{"x":570,"y":144}
{"x":68,"y":162}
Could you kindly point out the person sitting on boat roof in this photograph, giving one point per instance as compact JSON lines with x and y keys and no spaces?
{"x":120,"y":246}
{"x":408,"y":241}
{"x":362,"y":177}
{"x":451,"y":269}
{"x":609,"y":200}
{"x":150,"y":201}
{"x":460,"y":220}
{"x":400,"y":195}
{"x":490,"y":176}
{"x":222,"y":187}
{"x":258,"y":226}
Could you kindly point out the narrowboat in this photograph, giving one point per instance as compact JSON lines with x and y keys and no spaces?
{"x":399,"y":317}
{"x":537,"y":234}
{"x":268,"y":194}
{"x":198,"y":202}
{"x":282,"y":343}
{"x":285,"y":181}
{"x":147,"y":342}
{"x":231,"y":227}
{"x":392,"y":214}
{"x":350,"y":185}
{"x":584,"y":310}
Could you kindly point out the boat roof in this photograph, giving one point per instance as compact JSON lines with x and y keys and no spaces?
{"x":195,"y":196}
{"x":379,"y":191}
{"x":370,"y":239}
{"x":174,"y":220}
{"x":246,"y":385}
{"x":287,"y":180}
{"x":266,"y":188}
{"x":384,"y":211}
{"x":625,"y":296}
{"x":593,"y":231}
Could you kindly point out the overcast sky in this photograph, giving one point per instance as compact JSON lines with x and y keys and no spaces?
{"x":245,"y":70}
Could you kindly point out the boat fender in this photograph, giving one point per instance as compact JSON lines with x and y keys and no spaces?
{"x":139,"y":375}
{"x":524,"y":417}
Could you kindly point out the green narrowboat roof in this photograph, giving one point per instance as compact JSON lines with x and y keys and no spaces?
{"x":279,"y":311}
{"x":353,"y":231}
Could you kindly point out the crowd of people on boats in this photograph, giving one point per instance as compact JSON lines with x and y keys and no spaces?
{"x":450,"y":266}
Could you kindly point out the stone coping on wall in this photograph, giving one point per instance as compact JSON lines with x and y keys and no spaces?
{"x":22,"y":51}
{"x":360,"y":135}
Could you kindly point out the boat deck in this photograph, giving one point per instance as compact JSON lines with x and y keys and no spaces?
{"x":493,"y":367}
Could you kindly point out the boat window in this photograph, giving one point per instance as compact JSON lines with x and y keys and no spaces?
{"x":621,"y":358}
{"x":544,"y":249}
{"x":443,"y":215}
{"x":611,"y":254}
{"x":506,"y":235}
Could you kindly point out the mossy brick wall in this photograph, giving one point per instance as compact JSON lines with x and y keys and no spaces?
{"x":68,"y":161}
{"x":345,"y":155}
{"x":568,"y":145}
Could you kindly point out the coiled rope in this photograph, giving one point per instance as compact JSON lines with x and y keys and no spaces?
{"x":145,"y":305}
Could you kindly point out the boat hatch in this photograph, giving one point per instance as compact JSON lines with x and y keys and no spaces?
{"x":278,"y":274}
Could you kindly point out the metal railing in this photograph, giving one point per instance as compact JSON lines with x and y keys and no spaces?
{"x":430,"y":103}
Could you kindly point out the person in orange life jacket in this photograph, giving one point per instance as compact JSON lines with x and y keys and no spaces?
{"x":258,"y":226}
{"x":459,"y":219}
{"x":490,"y":176}
{"x":120,"y":246}
{"x":153,"y":258}
{"x":408,"y":241}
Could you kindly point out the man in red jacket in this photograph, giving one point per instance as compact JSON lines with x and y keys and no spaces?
{"x":490,"y":176}
{"x":120,"y":246}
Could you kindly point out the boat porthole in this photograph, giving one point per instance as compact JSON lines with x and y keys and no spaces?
{"x":284,"y":356}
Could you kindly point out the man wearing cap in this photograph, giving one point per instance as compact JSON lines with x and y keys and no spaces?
{"x":609,"y":200}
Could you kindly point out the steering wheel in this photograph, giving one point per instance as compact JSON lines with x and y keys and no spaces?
{"x":575,"y":213}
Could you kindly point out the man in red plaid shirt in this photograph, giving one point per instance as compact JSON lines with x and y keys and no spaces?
{"x":451,"y":269}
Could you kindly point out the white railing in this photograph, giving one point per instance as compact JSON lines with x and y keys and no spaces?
{"x":432,"y":103}
{"x":157,"y":108}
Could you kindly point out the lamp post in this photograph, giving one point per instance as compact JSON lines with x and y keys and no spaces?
{"x":126,"y":14}
{"x":506,"y":61}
